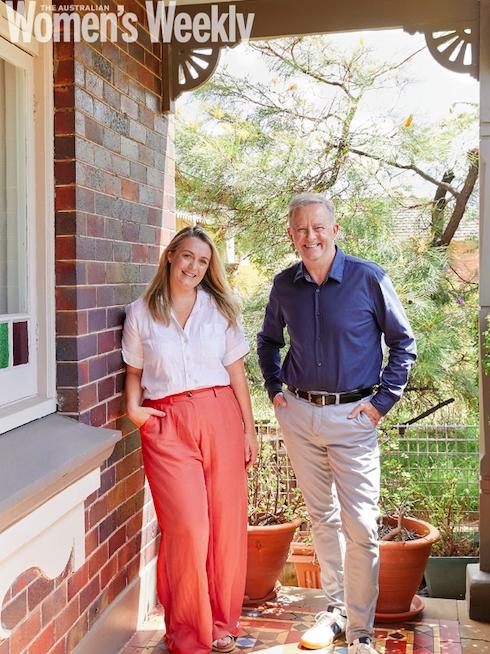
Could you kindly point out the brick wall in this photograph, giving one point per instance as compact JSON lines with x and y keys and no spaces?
{"x":114,"y":171}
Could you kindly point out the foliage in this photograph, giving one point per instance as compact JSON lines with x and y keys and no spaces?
{"x":305,"y":126}
{"x":447,"y":511}
{"x":308,"y":125}
{"x":253,"y":315}
{"x":442,"y":308}
{"x":486,"y":360}
{"x":446,"y":508}
{"x":271,"y":497}
{"x":398,"y":488}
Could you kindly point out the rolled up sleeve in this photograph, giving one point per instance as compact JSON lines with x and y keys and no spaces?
{"x":236,"y":344}
{"x":132,"y":347}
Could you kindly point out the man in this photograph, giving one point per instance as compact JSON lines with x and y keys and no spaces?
{"x":337,"y":309}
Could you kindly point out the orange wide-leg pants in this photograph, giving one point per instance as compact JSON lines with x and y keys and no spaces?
{"x":194,"y":461}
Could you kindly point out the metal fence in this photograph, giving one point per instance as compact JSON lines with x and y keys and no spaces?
{"x":434,"y":454}
{"x":429,"y":453}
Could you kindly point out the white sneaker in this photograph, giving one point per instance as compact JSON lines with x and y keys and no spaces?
{"x":361,"y":648}
{"x":329,"y":625}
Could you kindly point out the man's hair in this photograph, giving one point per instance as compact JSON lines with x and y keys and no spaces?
{"x":303,"y":199}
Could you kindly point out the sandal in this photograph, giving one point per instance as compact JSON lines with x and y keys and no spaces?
{"x":225,"y":644}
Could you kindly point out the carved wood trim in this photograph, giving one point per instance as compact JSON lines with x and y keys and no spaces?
{"x":451,"y":29}
{"x":456,"y":49}
{"x":186,"y":68}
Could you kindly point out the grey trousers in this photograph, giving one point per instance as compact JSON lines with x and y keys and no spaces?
{"x":336,"y":463}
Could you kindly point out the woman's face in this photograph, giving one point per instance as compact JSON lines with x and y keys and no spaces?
{"x":189,"y":262}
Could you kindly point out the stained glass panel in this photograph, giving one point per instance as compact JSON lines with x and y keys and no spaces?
{"x":20,"y":340}
{"x":4,"y":345}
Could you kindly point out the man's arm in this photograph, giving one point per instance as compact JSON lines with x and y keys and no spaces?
{"x":270,"y":340}
{"x":400,"y":341}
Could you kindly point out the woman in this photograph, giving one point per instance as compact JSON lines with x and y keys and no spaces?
{"x":184,"y":350}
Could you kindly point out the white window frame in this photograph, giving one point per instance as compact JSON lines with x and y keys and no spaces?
{"x":37,"y":60}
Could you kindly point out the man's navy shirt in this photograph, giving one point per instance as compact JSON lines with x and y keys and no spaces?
{"x":336,"y":332}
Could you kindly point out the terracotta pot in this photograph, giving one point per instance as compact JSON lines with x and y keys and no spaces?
{"x":299,"y":546}
{"x":305,"y":563}
{"x":268,"y":549}
{"x":402,"y":566}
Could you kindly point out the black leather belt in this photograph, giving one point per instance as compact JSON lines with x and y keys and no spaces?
{"x":331,"y":398}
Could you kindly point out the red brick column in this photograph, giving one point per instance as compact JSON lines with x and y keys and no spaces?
{"x":115,"y":206}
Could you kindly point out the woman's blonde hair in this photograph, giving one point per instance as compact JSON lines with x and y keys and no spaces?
{"x":157,"y":295}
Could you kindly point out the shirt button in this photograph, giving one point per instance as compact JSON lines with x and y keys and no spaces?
{"x":317,"y":290}
{"x":319,"y":363}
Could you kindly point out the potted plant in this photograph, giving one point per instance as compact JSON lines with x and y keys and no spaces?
{"x":303,"y":556}
{"x":445,"y":574}
{"x":405,"y":544}
{"x":404,"y":548}
{"x":276,"y":510}
{"x":405,"y":541}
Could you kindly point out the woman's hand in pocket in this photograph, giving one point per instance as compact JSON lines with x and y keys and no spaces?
{"x":139,"y":415}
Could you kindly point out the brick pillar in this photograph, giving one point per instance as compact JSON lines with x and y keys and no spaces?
{"x":115,"y":207}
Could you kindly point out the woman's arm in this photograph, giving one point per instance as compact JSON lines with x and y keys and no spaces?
{"x":239,"y":384}
{"x":137,"y":413}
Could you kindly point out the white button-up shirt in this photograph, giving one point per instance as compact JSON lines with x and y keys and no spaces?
{"x":175,"y":360}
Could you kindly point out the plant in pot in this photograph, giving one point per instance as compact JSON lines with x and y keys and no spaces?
{"x":405,"y":542}
{"x":276,"y":509}
{"x":445,"y":573}
{"x":302,"y":554}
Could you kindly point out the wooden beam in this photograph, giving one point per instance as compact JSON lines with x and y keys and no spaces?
{"x":278,"y":18}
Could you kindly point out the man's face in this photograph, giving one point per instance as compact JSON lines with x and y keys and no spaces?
{"x":313,"y":231}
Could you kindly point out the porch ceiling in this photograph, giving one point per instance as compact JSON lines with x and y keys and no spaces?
{"x":187,"y":67}
{"x":276,"y":18}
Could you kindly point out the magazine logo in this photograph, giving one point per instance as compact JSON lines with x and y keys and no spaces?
{"x":91,"y":23}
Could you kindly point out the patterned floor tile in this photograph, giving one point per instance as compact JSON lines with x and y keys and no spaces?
{"x":277,"y":629}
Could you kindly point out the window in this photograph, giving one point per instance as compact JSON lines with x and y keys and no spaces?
{"x":17,"y":301}
{"x":26,"y":219}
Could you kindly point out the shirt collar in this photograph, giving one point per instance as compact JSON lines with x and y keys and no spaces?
{"x":200,"y":298}
{"x":336,"y":271}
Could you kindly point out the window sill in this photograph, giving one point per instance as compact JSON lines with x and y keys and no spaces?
{"x":20,"y":413}
{"x":45,"y":456}
{"x":47,"y":470}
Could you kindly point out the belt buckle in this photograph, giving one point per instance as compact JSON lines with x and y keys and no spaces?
{"x":324,"y":400}
{"x":337,"y":398}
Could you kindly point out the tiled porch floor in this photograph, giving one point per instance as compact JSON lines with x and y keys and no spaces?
{"x":443,"y":628}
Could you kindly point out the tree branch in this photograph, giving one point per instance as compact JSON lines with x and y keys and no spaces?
{"x":439,"y":204}
{"x":462,"y":199}
{"x":402,"y":428}
{"x":412,"y":167}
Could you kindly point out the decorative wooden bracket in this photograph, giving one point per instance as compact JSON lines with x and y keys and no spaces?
{"x":455,"y":49}
{"x":451,"y":29}
{"x":186,"y":67}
